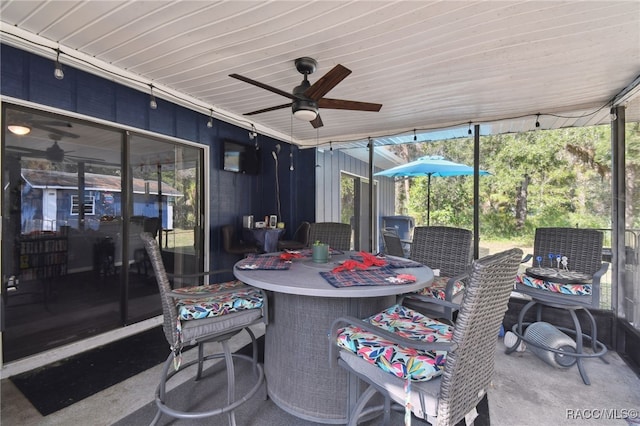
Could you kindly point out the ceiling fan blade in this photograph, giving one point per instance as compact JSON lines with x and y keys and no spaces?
{"x":317,"y":122}
{"x":85,"y":159}
{"x":263,"y":86}
{"x":327,"y":82}
{"x":21,"y":154}
{"x":56,"y":131}
{"x":54,"y":123}
{"x":351,"y":105}
{"x":273,"y":108}
{"x":23,"y":149}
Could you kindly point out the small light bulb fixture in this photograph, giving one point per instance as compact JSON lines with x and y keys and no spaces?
{"x":415,"y":138}
{"x":469,"y":132}
{"x":57,"y":72}
{"x":152,"y":99}
{"x":305,"y":110}
{"x":330,"y":148}
{"x":612,"y":114}
{"x":538,"y":121}
{"x":19,"y":129}
{"x":291,"y":159}
{"x":210,"y":122}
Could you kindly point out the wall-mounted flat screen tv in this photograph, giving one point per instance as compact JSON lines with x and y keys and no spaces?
{"x":240,"y":158}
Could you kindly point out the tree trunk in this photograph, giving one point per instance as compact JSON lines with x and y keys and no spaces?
{"x":521,"y":202}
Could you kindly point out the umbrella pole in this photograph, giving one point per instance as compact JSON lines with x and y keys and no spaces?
{"x":428,"y":198}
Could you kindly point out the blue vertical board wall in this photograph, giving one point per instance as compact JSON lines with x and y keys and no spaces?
{"x":26,"y":76}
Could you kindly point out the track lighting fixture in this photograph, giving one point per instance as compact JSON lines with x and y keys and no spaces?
{"x":210,"y":122}
{"x":152,"y":99}
{"x":57,"y":72}
{"x":469,"y":132}
{"x":537,"y":121}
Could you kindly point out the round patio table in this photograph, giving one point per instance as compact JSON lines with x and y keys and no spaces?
{"x":302,"y":307}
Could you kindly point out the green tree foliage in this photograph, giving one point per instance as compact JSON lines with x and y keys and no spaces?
{"x":564,"y":176}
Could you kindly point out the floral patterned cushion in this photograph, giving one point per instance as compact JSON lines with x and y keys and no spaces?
{"x":395,"y":359}
{"x":572,"y":289}
{"x":205,"y":307}
{"x":438,"y":286}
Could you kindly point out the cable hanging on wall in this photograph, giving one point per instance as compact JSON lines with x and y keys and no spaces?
{"x":291,"y":157}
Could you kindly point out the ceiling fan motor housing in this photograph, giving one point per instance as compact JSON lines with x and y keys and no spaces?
{"x":306,"y":65}
{"x":54,"y":153}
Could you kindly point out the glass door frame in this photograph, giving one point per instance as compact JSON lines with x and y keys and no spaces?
{"x":201,"y":235}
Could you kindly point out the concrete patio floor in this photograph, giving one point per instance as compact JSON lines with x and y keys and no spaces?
{"x":525,"y":391}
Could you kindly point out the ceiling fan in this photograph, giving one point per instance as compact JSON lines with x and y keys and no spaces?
{"x":54,"y":153}
{"x":55,"y":127}
{"x":308,"y":98}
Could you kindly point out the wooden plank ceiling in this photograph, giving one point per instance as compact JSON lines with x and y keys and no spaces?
{"x":432,"y":64}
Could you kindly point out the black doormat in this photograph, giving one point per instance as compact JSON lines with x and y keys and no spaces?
{"x":68,"y":381}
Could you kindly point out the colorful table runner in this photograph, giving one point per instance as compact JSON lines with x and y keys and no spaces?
{"x":263,"y":262}
{"x":368,"y":277}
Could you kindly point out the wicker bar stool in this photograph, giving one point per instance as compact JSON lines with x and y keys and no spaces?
{"x":201,"y":314}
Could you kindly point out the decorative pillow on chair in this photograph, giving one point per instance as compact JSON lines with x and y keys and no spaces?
{"x":540,"y":284}
{"x":438,"y":287}
{"x":198,"y":308}
{"x":395,"y":359}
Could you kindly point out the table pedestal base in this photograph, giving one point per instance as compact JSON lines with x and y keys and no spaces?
{"x":299,"y":377}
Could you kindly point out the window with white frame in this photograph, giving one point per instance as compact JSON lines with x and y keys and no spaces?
{"x":89,"y":205}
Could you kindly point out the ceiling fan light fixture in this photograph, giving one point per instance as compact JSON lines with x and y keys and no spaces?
{"x":19,"y":129}
{"x":305,"y":110}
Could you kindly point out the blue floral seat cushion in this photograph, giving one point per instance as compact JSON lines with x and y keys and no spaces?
{"x":245,"y":297}
{"x":540,"y":284}
{"x":395,"y":359}
{"x":438,"y":287}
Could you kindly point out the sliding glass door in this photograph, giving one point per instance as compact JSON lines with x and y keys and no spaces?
{"x":166,"y":201}
{"x":76,"y":196}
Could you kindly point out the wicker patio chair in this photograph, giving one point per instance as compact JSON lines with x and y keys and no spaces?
{"x":200,"y":314}
{"x":559,"y":288}
{"x":448,"y":251}
{"x":337,"y":235}
{"x":300,"y":238}
{"x":438,"y":371}
{"x":392,"y":242}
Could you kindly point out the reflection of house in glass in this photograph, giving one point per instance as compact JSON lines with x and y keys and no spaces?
{"x":50,"y":199}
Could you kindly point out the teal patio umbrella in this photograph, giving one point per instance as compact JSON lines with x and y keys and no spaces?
{"x":430,"y":165}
